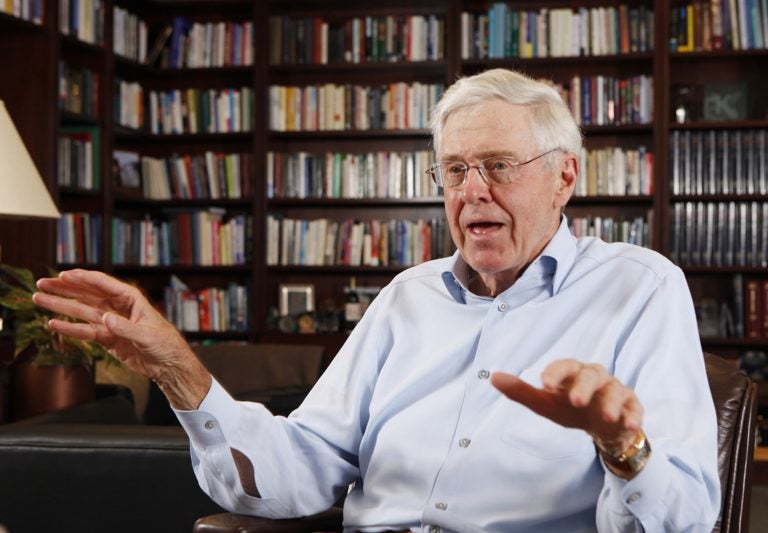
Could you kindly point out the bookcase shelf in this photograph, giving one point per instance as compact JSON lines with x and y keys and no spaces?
{"x":31,"y":55}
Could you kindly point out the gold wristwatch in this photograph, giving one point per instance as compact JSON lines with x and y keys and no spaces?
{"x":631,"y":461}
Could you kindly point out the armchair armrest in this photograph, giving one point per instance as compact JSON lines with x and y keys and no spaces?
{"x":327,"y":521}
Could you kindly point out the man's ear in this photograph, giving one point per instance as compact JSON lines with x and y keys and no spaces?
{"x":569,"y":173}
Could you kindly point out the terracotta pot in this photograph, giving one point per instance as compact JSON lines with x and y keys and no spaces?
{"x":39,"y":389}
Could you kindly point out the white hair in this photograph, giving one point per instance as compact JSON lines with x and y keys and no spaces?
{"x":549,"y":118}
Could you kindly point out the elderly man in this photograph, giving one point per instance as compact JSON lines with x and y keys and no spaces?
{"x":531,"y":382}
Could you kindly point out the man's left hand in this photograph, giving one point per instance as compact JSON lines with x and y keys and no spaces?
{"x":580,"y":395}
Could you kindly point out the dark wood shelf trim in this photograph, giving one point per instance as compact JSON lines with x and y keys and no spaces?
{"x":244,"y":269}
{"x":720,"y":125}
{"x":724,"y":55}
{"x":129,"y":202}
{"x":421,"y":67}
{"x":78,"y":191}
{"x":724,"y":270}
{"x":592,"y":129}
{"x":73,"y":43}
{"x":550,"y":61}
{"x":436,"y":201}
{"x":11,"y":23}
{"x":68,"y":117}
{"x":217,"y":335}
{"x":588,"y":200}
{"x":362,"y":135}
{"x":122,"y":133}
{"x":337,"y":269}
{"x":733,"y":343}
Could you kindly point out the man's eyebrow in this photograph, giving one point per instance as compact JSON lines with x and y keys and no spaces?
{"x":481,"y":155}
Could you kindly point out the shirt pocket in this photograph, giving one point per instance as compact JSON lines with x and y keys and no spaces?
{"x":538,"y":436}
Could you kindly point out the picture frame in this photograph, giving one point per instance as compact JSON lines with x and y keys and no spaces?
{"x":296,"y":298}
{"x":725,"y":101}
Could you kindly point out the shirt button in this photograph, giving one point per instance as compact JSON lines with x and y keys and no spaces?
{"x":633,"y":497}
{"x":434,"y":529}
{"x":441,"y":505}
{"x":503,"y":307}
{"x":464,"y":443}
{"x":483,"y":374}
{"x":209,"y":424}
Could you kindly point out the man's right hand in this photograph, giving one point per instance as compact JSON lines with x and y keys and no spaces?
{"x":119,"y":317}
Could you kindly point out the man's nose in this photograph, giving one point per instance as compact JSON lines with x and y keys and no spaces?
{"x":475,"y":184}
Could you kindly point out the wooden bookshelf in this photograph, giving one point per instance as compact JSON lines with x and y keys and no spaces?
{"x":32,"y":54}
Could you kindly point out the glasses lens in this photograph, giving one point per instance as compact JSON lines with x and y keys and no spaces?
{"x":453,"y":173}
{"x":500,"y":169}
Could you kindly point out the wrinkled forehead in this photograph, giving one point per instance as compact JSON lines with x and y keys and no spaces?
{"x":482,"y":130}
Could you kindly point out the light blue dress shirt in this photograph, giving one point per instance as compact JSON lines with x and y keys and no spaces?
{"x":407,"y":415}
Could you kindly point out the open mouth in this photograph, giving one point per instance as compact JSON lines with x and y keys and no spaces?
{"x":481,"y":228}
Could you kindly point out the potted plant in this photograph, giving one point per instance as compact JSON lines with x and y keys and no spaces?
{"x":50,"y":371}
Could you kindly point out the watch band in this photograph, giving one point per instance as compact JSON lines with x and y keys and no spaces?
{"x":631,"y":461}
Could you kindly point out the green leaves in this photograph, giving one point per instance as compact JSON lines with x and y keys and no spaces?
{"x":31,"y":330}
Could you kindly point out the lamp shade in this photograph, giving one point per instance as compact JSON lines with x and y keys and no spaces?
{"x":22,"y":191}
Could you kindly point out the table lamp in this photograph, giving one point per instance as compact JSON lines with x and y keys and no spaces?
{"x":22,"y":191}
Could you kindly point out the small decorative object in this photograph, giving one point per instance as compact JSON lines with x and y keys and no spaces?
{"x":725,"y":101}
{"x":306,"y":323}
{"x":296,"y":298}
{"x":685,"y":103}
{"x":287,"y":324}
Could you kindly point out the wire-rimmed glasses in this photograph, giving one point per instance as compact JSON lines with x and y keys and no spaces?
{"x":497,"y":169}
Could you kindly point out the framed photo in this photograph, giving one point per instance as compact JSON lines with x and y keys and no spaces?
{"x":725,"y":101}
{"x":296,"y":298}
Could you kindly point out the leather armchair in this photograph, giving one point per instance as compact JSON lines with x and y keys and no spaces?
{"x":735,"y":398}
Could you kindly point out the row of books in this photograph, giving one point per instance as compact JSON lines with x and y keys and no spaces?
{"x":129,"y":35}
{"x":345,"y":175}
{"x":326,"y":242}
{"x":128,"y":107}
{"x":356,"y":40}
{"x":719,"y":161}
{"x":615,"y":172}
{"x":719,"y":234}
{"x":78,"y":239}
{"x":636,"y":230}
{"x":610,"y":101}
{"x":396,"y":106}
{"x":756,"y":308}
{"x":212,"y":175}
{"x":201,"y":111}
{"x":31,"y":10}
{"x":83,"y":19}
{"x":78,"y":90}
{"x":705,"y":25}
{"x":79,"y":157}
{"x":186,"y":44}
{"x":190,"y":237}
{"x":504,"y":31}
{"x":734,"y":308}
{"x":214,"y":309}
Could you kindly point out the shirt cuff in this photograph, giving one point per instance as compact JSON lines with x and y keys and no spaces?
{"x":643,"y":494}
{"x":215,"y":417}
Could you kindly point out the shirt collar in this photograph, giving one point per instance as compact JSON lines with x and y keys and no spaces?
{"x":555,"y":260}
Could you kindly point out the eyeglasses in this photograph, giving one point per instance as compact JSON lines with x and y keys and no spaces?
{"x":498,"y":169}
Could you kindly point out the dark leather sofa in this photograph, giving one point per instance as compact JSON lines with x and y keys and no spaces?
{"x":101,"y":468}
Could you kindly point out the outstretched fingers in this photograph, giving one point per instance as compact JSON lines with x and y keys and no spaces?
{"x":67,"y":306}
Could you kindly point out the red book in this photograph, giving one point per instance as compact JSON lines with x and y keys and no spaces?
{"x":753,"y":309}
{"x":764,"y":301}
{"x":204,"y":309}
